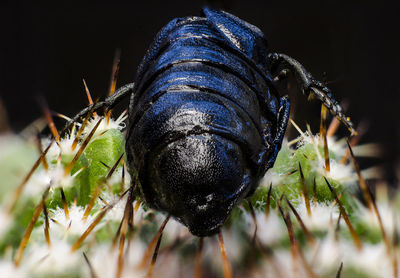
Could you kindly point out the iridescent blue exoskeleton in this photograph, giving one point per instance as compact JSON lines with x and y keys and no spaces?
{"x":205,"y":118}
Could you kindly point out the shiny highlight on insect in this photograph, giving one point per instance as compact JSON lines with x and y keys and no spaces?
{"x":206,"y":120}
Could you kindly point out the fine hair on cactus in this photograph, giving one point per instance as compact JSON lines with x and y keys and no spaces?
{"x":69,"y":208}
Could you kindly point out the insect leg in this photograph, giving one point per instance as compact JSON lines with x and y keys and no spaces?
{"x":283,"y":118}
{"x":310,"y":85}
{"x":109,"y":103}
{"x":283,"y":74}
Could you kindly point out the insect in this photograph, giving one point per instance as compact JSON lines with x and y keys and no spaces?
{"x":206,"y":120}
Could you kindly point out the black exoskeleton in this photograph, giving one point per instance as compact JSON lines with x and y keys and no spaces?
{"x":205,"y":118}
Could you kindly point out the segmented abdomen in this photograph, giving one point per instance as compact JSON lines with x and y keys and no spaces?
{"x":192,"y":82}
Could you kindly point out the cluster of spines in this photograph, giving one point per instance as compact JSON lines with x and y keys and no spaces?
{"x":273,"y":198}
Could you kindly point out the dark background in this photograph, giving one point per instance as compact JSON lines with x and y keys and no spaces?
{"x":47,"y":48}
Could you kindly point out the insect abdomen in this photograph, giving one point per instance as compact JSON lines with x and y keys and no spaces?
{"x":194,"y":91}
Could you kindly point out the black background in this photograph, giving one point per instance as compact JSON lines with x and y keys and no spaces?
{"x":48,"y":47}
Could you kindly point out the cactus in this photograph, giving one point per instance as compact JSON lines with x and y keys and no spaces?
{"x":74,"y":214}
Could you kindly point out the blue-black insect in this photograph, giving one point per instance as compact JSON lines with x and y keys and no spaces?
{"x":206,"y":120}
